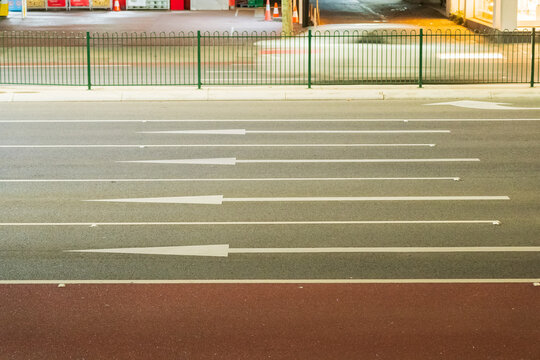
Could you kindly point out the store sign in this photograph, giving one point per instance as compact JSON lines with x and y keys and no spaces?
{"x":15,"y":5}
{"x":77,"y":3}
{"x":56,"y":3}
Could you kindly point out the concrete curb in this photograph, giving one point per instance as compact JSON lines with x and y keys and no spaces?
{"x":259,"y":93}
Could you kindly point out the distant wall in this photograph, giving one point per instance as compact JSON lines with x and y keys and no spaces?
{"x":209,"y":4}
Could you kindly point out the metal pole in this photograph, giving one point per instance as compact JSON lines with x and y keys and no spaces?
{"x":420,"y":59}
{"x":305,"y":13}
{"x":89,"y":72}
{"x":318,"y":14}
{"x":533,"y":43}
{"x":309,"y":60}
{"x":199,"y":82}
{"x":286,"y":17}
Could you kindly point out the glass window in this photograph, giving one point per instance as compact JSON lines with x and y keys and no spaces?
{"x":529,"y":10}
{"x":483,"y":10}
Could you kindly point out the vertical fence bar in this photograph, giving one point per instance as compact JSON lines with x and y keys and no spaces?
{"x":3,"y":56}
{"x":88,"y":60}
{"x":533,"y":43}
{"x":309,"y":60}
{"x":199,"y":82}
{"x":420,"y":58}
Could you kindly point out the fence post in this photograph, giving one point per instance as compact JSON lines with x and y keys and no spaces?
{"x":199,"y":81}
{"x":421,"y":58}
{"x":309,"y":60}
{"x":533,"y":43}
{"x":89,"y":72}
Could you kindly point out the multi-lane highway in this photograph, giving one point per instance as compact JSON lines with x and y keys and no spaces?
{"x":369,"y":196}
{"x":316,"y":194}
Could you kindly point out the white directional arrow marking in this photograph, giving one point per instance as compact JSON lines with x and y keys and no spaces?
{"x":482,"y":105}
{"x":244,"y":132}
{"x":219,"y":199}
{"x":224,"y":250}
{"x":234,"y":161}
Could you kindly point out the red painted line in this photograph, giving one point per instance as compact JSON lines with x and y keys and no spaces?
{"x":5,"y":65}
{"x":270,"y":321}
{"x":285,"y":51}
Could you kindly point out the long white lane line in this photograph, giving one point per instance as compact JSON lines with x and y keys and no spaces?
{"x":234,"y":161}
{"x":261,"y":120}
{"x":245,"y":132}
{"x":368,"y":250}
{"x":220,"y":199}
{"x":226,"y":223}
{"x":355,"y":160}
{"x":141,"y":146}
{"x":232,"y":179}
{"x":367,"y":198}
{"x":534,"y":281}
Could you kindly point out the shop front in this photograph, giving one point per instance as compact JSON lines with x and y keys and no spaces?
{"x":68,"y":4}
{"x":106,"y":4}
{"x":529,"y":13}
{"x":128,"y":4}
{"x":497,"y":14}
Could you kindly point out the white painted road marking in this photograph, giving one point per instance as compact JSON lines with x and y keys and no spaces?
{"x":74,"y":146}
{"x":226,"y":223}
{"x":216,"y":161}
{"x":219,"y":199}
{"x":482,"y":105}
{"x":262,"y":120}
{"x":244,"y":132}
{"x":232,"y":179}
{"x":206,"y":132}
{"x":210,"y":199}
{"x":234,"y":161}
{"x":223,"y":250}
{"x":278,"y":281}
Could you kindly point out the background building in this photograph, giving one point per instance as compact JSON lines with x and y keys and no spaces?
{"x":497,"y":14}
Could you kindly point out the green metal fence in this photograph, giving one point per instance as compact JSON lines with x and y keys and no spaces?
{"x":478,"y":58}
{"x":311,"y":58}
{"x":43,"y":58}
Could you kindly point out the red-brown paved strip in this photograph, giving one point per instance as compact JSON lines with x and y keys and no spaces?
{"x":270,"y":321}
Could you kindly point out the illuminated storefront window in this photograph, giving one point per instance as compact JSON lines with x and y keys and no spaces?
{"x":529,"y":12}
{"x":483,"y":10}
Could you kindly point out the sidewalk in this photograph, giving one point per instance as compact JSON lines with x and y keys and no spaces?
{"x":215,"y":93}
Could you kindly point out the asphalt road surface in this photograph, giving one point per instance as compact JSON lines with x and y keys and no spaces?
{"x":361,"y":11}
{"x":288,"y":183}
{"x":268,"y":219}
